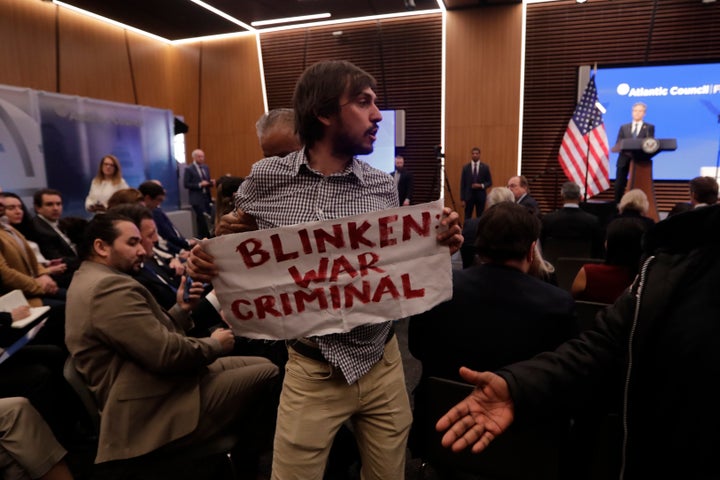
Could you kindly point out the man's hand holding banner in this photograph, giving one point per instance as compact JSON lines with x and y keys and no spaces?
{"x":329,"y":277}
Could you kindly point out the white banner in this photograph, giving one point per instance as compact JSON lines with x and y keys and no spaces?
{"x":328,"y":277}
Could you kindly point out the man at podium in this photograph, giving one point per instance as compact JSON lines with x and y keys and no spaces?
{"x":638,"y":128}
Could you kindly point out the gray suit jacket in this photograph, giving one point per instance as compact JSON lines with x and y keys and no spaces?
{"x":142,"y":369}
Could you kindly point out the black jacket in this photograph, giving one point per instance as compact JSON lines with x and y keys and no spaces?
{"x":666,"y":333}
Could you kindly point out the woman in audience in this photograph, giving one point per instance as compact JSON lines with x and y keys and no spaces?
{"x":19,"y":218}
{"x":604,"y":282}
{"x":107,"y":181}
{"x":634,"y":204}
{"x":19,"y":268}
{"x":18,"y":215}
{"x":123,"y":196}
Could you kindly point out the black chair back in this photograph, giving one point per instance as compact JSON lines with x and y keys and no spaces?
{"x":554,"y":248}
{"x":586,"y":313}
{"x":566,"y":269}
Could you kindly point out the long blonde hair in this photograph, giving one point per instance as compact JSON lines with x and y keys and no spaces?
{"x":117,"y":176}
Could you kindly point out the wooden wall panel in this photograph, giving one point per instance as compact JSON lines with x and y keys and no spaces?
{"x":483,"y":91}
{"x":27,"y":46}
{"x":562,"y":35}
{"x":94,"y":59}
{"x":215,"y":86}
{"x":185,"y":86}
{"x":405,"y":57}
{"x":230,"y":104}
{"x":150,"y":71}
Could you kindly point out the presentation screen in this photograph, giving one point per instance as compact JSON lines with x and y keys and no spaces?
{"x":383,"y":156}
{"x":683,"y":102}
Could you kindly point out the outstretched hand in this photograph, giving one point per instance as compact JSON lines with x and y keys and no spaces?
{"x":486,"y":413}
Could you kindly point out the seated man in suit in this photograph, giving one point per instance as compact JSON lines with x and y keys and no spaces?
{"x":156,"y":387}
{"x":573,"y":224}
{"x":521,"y":190}
{"x":703,"y":191}
{"x":153,"y":196}
{"x":516,"y":314}
{"x":161,"y":281}
{"x":53,"y":242}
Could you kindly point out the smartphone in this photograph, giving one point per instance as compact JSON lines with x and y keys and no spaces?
{"x":186,"y":291}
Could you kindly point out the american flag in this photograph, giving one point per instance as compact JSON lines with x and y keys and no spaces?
{"x":585,"y":137}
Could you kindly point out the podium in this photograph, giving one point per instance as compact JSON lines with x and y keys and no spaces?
{"x":642,"y":151}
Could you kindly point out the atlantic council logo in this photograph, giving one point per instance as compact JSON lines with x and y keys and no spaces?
{"x":623,"y":89}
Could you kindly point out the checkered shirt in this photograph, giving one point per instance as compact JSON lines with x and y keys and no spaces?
{"x":286,"y":191}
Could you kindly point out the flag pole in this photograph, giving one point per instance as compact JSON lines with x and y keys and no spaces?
{"x":587,"y":146}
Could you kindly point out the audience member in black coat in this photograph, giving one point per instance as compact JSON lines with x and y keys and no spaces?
{"x":516,"y":314}
{"x":573,"y":223}
{"x":634,"y":204}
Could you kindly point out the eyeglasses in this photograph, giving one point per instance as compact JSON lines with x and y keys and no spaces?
{"x":512,"y":185}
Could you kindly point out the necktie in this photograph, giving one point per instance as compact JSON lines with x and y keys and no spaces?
{"x":63,"y":236}
{"x":635,"y":130}
{"x":475,"y":170}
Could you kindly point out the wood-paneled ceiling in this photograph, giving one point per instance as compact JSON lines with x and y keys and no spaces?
{"x":183,"y":19}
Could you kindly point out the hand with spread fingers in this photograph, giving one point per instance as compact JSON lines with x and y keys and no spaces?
{"x":486,"y":413}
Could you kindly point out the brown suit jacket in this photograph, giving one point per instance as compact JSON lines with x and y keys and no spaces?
{"x":19,"y":267}
{"x":142,"y":369}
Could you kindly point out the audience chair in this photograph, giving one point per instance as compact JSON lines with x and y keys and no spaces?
{"x":554,"y":248}
{"x":586,"y":313}
{"x":521,"y":453}
{"x":212,"y":460}
{"x":566,"y":269}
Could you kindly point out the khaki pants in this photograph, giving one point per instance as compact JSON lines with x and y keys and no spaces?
{"x":316,"y":400}
{"x":28,"y":448}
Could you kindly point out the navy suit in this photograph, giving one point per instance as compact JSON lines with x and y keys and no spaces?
{"x":53,"y":246}
{"x":647,"y":130}
{"x":404,"y":185}
{"x":199,"y":197}
{"x":163,"y":287}
{"x":168,"y":232}
{"x":474,"y":198}
{"x":531,"y":204}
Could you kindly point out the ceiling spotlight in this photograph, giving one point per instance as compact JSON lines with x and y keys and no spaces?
{"x":580,"y":1}
{"x":409,"y":4}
